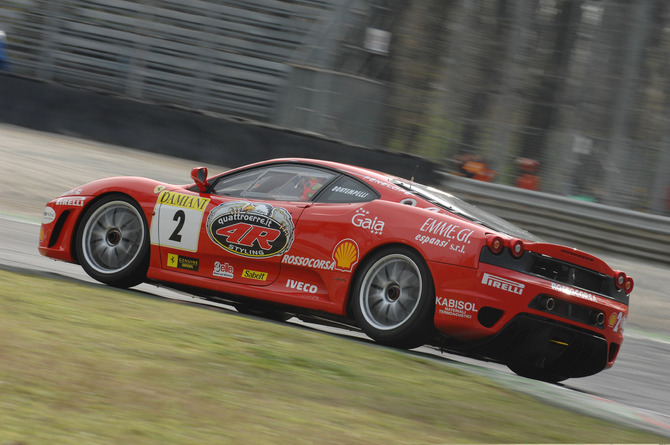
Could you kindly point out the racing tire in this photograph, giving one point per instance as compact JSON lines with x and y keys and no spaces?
{"x":394,"y":299}
{"x":112,"y":242}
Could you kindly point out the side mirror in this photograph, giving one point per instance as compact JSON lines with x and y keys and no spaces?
{"x":199,"y":176}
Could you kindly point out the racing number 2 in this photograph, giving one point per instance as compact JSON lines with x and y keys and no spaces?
{"x":180,"y":217}
{"x":179,"y":227}
{"x":177,"y":220}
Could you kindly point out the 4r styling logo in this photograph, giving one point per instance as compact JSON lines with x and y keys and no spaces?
{"x":250,"y":229}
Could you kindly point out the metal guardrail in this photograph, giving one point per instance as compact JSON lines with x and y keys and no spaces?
{"x":584,"y":225}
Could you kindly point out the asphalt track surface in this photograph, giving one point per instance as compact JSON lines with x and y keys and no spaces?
{"x":37,"y":167}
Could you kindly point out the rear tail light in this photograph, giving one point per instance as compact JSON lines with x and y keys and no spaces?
{"x":620,"y":280}
{"x":628,"y":285}
{"x":495,"y":244}
{"x":516,"y":248}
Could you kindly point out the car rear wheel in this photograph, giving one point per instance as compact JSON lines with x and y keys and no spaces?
{"x":112,"y":242}
{"x":393,"y":298}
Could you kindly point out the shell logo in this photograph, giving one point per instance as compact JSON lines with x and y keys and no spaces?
{"x":612,"y":321}
{"x":345,"y":255}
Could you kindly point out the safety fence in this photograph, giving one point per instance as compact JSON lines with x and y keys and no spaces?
{"x":580,"y":224}
{"x":580,"y":86}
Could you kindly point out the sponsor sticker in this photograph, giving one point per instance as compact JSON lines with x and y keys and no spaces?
{"x":179,"y":220}
{"x":301,"y":286}
{"x":182,"y":200}
{"x":345,"y":255}
{"x":503,"y":284}
{"x":254,"y":275}
{"x":362,"y":219}
{"x":455,"y":308}
{"x":442,"y":233}
{"x":573,"y":292}
{"x":350,"y":192}
{"x":617,"y":321}
{"x":183,"y":262}
{"x":76,"y":201}
{"x":76,"y":191}
{"x":48,"y":215}
{"x":312,"y":263}
{"x":250,"y":229}
{"x":224,"y":270}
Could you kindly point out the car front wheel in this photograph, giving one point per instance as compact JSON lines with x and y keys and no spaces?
{"x":394,"y":300}
{"x":112,"y":242}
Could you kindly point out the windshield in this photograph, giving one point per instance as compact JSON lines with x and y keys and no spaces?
{"x":458,"y":207}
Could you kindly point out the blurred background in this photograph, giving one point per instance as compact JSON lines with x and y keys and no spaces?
{"x":569,"y":97}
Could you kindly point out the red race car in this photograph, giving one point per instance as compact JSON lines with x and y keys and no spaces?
{"x":407,"y":264}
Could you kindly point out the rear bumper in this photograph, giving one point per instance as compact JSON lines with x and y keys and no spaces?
{"x":494,"y":306}
{"x":545,"y":344}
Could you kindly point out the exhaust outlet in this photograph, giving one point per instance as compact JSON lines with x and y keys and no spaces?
{"x":598,"y":318}
{"x":549,"y":304}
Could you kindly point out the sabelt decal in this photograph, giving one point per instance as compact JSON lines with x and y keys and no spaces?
{"x":503,"y":284}
{"x":48,"y":216}
{"x":251,"y":230}
{"x":254,"y":275}
{"x":224,"y":270}
{"x":183,"y":262}
{"x":455,"y":308}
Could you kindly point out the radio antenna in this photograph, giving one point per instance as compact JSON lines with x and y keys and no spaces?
{"x":414,"y":172}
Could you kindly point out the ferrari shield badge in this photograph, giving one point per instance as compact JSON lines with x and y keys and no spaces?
{"x":251,"y":229}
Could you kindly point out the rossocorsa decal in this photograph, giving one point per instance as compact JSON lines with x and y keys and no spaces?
{"x":250,"y":229}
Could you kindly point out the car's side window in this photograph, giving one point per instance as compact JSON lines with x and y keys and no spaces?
{"x":277,"y":182}
{"x":347,"y":189}
{"x":236,"y":184}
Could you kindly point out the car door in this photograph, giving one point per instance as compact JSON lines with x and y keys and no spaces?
{"x":329,"y":238}
{"x":247,"y":224}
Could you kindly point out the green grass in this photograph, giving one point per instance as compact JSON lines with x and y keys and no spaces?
{"x":89,"y":364}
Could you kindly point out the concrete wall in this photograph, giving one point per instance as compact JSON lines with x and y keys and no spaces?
{"x":180,"y":132}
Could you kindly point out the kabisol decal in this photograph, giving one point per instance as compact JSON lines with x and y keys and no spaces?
{"x":251,"y":229}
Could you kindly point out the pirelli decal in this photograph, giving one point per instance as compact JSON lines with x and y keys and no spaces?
{"x":503,"y":284}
